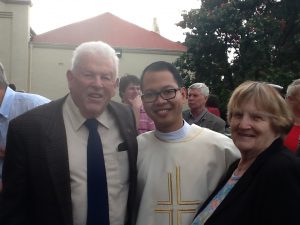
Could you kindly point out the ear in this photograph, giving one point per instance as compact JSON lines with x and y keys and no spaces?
{"x":69,"y":75}
{"x":116,"y":84}
{"x":70,"y":78}
{"x":183,"y":92}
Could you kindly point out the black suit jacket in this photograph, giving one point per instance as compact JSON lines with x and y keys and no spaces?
{"x":209,"y":121}
{"x":36,"y":170}
{"x":267,"y":194}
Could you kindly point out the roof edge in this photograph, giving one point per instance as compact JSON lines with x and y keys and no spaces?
{"x":18,"y":2}
{"x":127,"y":50}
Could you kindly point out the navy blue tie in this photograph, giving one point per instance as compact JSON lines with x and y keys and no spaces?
{"x":97,"y":212}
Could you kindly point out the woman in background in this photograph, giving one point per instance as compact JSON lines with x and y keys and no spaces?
{"x":263,"y":187}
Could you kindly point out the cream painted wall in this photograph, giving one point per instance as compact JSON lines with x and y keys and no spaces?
{"x":50,"y":63}
{"x":48,"y":71}
{"x":41,"y":69}
{"x":14,"y":42}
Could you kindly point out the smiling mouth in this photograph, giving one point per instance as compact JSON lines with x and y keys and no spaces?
{"x":162,"y":112}
{"x":95,"y":95}
{"x":246,"y":135}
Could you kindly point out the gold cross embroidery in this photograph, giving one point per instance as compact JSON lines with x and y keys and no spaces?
{"x":180,"y":207}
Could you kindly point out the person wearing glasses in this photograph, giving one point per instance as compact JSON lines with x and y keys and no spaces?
{"x":179,"y":165}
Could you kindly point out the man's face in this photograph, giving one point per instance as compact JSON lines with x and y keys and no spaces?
{"x":92,"y":84}
{"x":294,"y":104}
{"x":131,"y":91}
{"x":196,"y":100}
{"x":166,"y":114}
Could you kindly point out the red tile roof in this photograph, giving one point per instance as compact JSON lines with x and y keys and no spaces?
{"x":112,"y":30}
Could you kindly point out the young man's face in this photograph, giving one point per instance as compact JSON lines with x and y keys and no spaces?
{"x":131,"y":91}
{"x":166,"y":114}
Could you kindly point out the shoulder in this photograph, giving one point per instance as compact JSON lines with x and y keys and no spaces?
{"x":146,"y":136}
{"x":283,"y":160}
{"x":31,"y":98}
{"x":214,"y":139}
{"x":281,"y":171}
{"x":48,"y":110}
{"x":116,"y":106}
{"x":210,"y":136}
{"x":215,"y":118}
{"x":120,"y":110}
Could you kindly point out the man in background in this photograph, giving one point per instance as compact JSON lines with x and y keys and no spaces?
{"x":130,"y":93}
{"x":198,"y":113}
{"x":12,"y":104}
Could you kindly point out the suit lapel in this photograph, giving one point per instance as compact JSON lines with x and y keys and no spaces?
{"x":57,"y":159}
{"x":129,"y":133}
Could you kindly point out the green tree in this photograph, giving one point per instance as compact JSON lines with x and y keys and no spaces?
{"x":233,"y":41}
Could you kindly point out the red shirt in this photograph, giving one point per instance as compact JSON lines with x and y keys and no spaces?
{"x":292,"y":139}
{"x":214,"y":110}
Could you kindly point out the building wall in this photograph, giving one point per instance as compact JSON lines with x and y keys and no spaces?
{"x":14,"y":39}
{"x":41,"y":68}
{"x":50,"y":63}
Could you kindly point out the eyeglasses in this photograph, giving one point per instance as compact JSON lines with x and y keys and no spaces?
{"x":165,"y":94}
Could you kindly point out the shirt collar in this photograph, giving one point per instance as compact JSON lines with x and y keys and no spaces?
{"x":6,"y":102}
{"x":175,"y":135}
{"x":77,"y":120}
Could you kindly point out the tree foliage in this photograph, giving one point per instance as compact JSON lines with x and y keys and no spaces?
{"x":233,"y":41}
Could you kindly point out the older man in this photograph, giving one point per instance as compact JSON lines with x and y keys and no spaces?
{"x":58,"y":169}
{"x":198,"y":113}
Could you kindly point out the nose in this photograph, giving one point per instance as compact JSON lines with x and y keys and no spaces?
{"x":245,"y":122}
{"x":98,"y":81}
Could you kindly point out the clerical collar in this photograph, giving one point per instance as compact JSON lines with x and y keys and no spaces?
{"x":178,"y":134}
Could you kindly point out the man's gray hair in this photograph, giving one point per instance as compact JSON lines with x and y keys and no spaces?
{"x":95,"y":47}
{"x":3,"y":79}
{"x":201,"y":87}
{"x":293,"y":88}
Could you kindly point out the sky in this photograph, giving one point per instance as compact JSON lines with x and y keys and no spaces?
{"x":46,"y":15}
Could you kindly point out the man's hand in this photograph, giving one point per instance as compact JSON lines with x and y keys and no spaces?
{"x":136,"y":103}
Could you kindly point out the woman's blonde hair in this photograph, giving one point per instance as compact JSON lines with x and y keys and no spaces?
{"x":266,"y":99}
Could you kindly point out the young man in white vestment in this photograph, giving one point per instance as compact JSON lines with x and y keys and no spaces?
{"x":179,"y":165}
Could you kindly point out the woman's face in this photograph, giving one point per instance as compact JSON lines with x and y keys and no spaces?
{"x":251,"y":129}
